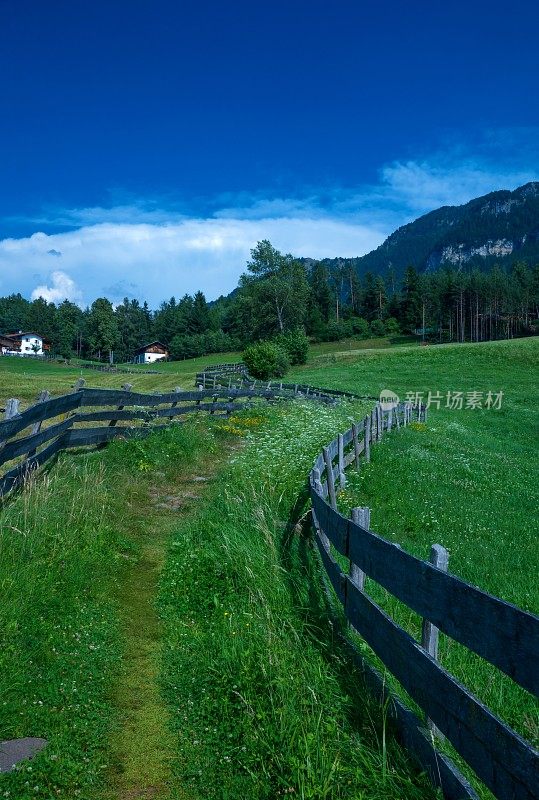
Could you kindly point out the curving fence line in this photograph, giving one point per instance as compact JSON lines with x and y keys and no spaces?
{"x":499,"y":632}
{"x":237,"y":375}
{"x":31,"y":438}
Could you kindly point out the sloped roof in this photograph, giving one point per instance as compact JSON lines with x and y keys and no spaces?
{"x":145,"y":347}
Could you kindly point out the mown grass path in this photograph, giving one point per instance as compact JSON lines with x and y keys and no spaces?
{"x":142,"y":746}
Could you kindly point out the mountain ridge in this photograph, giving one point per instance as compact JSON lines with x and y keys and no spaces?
{"x":502,"y":226}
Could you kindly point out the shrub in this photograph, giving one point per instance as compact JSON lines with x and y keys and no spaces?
{"x":392,"y":326}
{"x":296,"y":344}
{"x":335,"y":331}
{"x":266,"y":360}
{"x":377,"y":327}
{"x":360,"y":327}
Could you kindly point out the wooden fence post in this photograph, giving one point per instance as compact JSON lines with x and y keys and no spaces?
{"x":361,"y":516}
{"x":319,"y":490}
{"x":177,"y":390}
{"x":330,"y":479}
{"x":12,"y":407}
{"x":389,"y":419}
{"x":340,"y":448}
{"x":355,"y":438}
{"x":439,"y":557}
{"x":380,"y":425}
{"x":43,"y":396}
{"x":127,"y":388}
{"x":367,"y":437}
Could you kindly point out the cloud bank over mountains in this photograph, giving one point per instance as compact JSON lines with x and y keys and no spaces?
{"x":151,"y":252}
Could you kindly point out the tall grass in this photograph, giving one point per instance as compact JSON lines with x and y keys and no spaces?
{"x":262,"y":700}
{"x":58,"y":636}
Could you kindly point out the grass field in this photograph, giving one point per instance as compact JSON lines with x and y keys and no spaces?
{"x":467,"y":480}
{"x":159,"y":623}
{"x":228,"y":685}
{"x":24,"y":378}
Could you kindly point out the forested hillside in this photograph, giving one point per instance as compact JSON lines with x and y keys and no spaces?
{"x":466,"y":273}
{"x":500,"y":227}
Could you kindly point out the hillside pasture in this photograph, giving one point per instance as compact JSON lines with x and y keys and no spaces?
{"x":467,"y":480}
{"x":174,"y":616}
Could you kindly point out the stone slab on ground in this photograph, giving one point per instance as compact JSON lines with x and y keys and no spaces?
{"x":15,"y":750}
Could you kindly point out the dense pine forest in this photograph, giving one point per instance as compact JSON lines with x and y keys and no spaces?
{"x":278,"y":293}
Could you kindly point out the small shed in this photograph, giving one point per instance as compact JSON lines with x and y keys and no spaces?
{"x":154,"y":351}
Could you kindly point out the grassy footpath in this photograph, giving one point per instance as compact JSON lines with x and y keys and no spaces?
{"x":236,"y":687}
{"x":262,"y":701}
{"x":80,"y":553}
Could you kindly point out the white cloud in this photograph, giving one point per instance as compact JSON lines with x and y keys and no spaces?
{"x":425,"y":185}
{"x":62,"y":288}
{"x":151,"y":251}
{"x":153,"y":262}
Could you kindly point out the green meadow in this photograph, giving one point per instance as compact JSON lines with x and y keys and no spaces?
{"x":163,"y":623}
{"x":24,"y":378}
{"x":467,"y":480}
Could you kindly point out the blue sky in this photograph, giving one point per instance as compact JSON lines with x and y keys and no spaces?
{"x":147,"y":146}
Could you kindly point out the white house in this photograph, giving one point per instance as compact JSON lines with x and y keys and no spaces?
{"x":155,"y":351}
{"x":23,"y":343}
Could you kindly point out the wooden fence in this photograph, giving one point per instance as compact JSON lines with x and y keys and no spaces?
{"x":214,"y":377}
{"x":127,"y":370}
{"x":499,"y":632}
{"x":29,"y":439}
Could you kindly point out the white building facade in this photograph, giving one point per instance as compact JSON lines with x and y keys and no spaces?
{"x":22,"y":344}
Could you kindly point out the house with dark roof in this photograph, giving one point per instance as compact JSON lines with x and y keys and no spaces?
{"x":23,"y":343}
{"x":154,"y":351}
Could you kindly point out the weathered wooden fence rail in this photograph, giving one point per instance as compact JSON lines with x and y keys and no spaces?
{"x":24,"y":436}
{"x":113,"y":369}
{"x":238,"y":376}
{"x":499,"y":632}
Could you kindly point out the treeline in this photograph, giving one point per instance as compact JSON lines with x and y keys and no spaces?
{"x":188,"y":327}
{"x":279,"y":293}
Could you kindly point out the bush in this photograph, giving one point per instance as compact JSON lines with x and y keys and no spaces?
{"x":377,"y":327}
{"x":360,"y":327}
{"x":335,"y":331}
{"x":266,"y":360}
{"x":392,"y":326}
{"x":296,"y":344}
